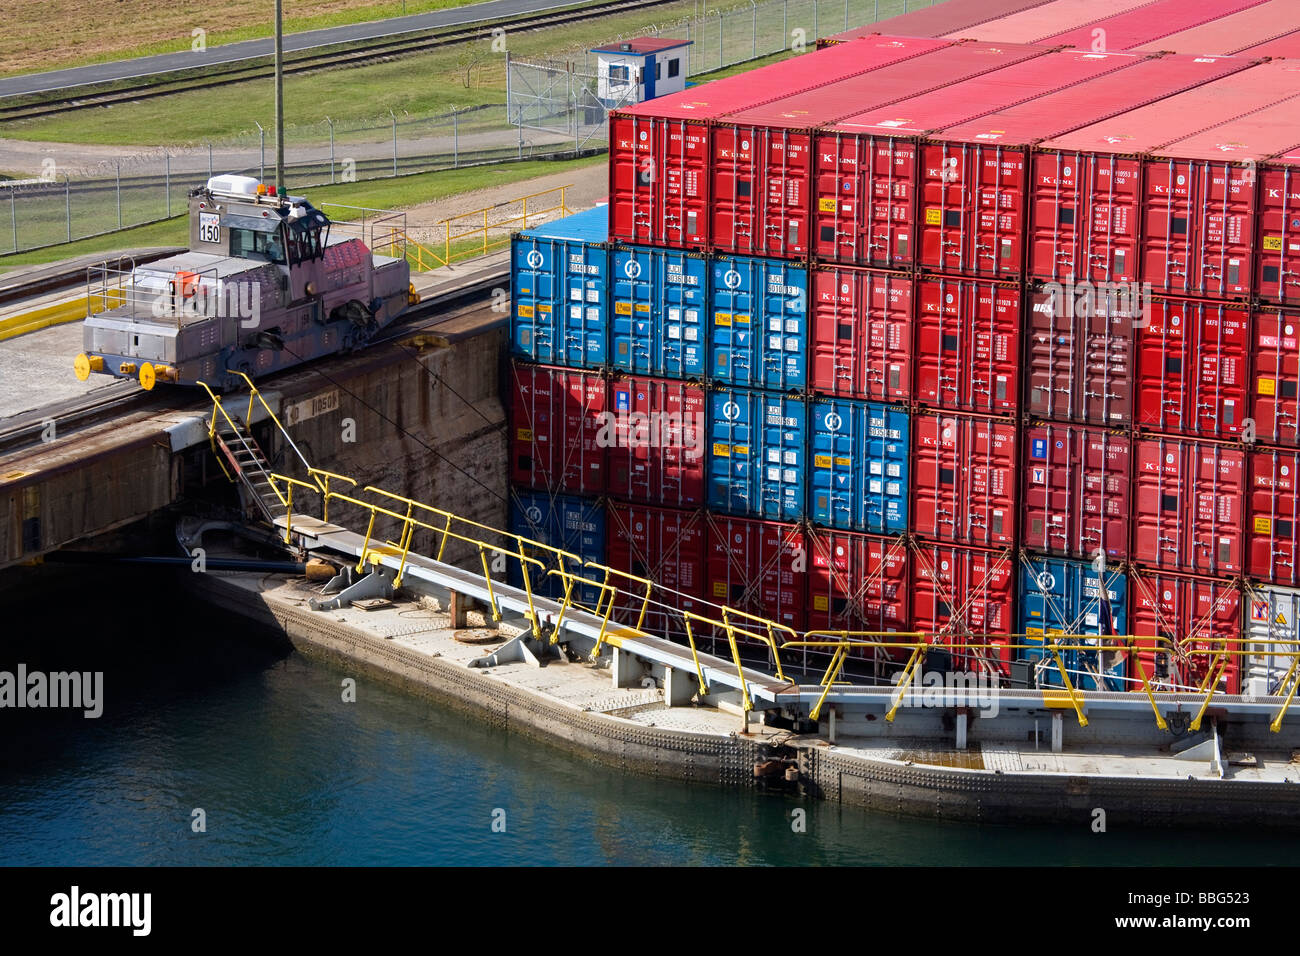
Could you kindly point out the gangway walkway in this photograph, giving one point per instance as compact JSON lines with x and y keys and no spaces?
{"x":549,"y":619}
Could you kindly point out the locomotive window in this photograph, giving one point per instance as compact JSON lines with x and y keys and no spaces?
{"x":304,"y":244}
{"x":249,"y":244}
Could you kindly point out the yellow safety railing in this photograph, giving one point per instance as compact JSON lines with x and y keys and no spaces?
{"x":739,"y":626}
{"x":219,"y":409}
{"x":478,"y":232}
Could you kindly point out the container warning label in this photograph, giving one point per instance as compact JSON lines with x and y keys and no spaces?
{"x":826,"y":205}
{"x":933,"y":217}
{"x":623,"y":308}
{"x":719,"y":589}
{"x":525,"y":312}
{"x":1263,"y":525}
{"x":721,"y":451}
{"x":525,"y":434}
{"x":821,"y":461}
{"x":1272,"y":243}
{"x":722,"y":318}
{"x":1267,"y":386}
{"x":1259,"y":611}
{"x":820,"y":603}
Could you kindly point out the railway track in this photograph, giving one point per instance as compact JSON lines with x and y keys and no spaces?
{"x":358,"y":53}
{"x":27,"y":429}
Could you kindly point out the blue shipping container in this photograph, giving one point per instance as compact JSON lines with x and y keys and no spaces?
{"x":658,"y":311}
{"x":859,"y":454}
{"x":559,"y":292}
{"x":756,"y":454}
{"x":758,"y":323}
{"x":1063,"y":597}
{"x":577,"y":525}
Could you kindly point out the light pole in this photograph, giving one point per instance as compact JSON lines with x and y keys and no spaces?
{"x":279,"y":99}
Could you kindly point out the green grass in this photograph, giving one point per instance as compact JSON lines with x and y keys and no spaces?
{"x":63,"y":57}
{"x":743,"y":67}
{"x":420,"y":85}
{"x":379,"y":194}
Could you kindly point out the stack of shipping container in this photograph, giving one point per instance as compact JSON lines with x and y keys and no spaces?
{"x":862,"y":342}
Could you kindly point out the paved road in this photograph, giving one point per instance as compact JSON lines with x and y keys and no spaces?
{"x":231,"y":52}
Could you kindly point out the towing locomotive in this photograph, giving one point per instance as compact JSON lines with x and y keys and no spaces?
{"x":267,"y":283}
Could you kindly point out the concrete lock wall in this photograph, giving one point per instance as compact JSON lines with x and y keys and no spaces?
{"x":425,"y":423}
{"x":71,"y":500}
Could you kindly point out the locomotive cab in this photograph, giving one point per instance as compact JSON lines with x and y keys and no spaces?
{"x":268,"y":282}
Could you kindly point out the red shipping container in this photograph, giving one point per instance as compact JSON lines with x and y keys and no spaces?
{"x":858,"y":582}
{"x":1198,"y":233}
{"x":937,"y":19}
{"x":1079,"y":360}
{"x":865,"y":192}
{"x":666,"y":546}
{"x":1275,"y":386}
{"x":1195,"y":616}
{"x":762,"y":163}
{"x":555,"y":422}
{"x":1133,"y":28}
{"x":861,"y":328}
{"x":1076,"y":491}
{"x":760,"y":567}
{"x":1232,"y":34}
{"x":1196,"y":226}
{"x":1286,"y":45}
{"x":968,"y":345}
{"x":1188,"y":501}
{"x":964,"y":478}
{"x":1279,"y":230}
{"x":1038,"y":23}
{"x":659,"y":155}
{"x":1084,"y":217}
{"x":1192,"y":375}
{"x":972,"y":208}
{"x":1084,"y":212}
{"x":1272,"y":510}
{"x":655,"y":441}
{"x":966,"y":596}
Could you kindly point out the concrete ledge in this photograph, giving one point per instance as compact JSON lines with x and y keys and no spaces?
{"x":938,"y":783}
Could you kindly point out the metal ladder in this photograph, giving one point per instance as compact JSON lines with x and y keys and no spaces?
{"x":250,"y":463}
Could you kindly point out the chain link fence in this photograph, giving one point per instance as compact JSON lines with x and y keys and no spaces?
{"x":68,"y":203}
{"x":559,"y":95}
{"x":551,"y":109}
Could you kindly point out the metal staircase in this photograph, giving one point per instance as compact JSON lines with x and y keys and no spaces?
{"x":249,"y":463}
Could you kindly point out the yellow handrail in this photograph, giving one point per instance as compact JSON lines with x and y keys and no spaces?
{"x":740,"y":625}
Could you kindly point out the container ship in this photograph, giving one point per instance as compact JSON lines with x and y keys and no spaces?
{"x":978,"y":324}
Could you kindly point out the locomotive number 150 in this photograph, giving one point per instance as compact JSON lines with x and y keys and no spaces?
{"x":209,"y":227}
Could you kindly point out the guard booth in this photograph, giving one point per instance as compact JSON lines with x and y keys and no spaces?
{"x":631,"y":71}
